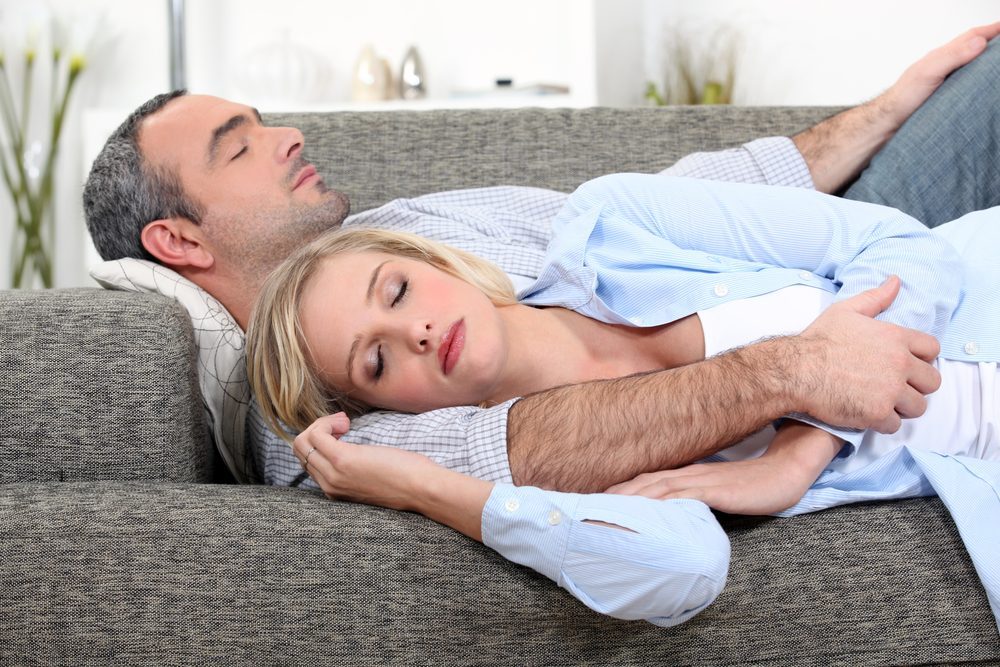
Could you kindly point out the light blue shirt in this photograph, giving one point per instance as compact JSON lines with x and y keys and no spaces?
{"x":645,"y":250}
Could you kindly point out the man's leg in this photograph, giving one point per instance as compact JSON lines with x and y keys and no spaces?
{"x":945,"y":160}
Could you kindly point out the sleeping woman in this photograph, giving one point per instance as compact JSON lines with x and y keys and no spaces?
{"x":650,"y":272}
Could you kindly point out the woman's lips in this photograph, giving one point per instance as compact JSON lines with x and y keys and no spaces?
{"x":451,"y":346}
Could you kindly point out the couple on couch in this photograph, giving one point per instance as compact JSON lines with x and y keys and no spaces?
{"x":232,"y":199}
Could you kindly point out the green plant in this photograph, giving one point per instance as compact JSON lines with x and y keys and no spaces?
{"x":29,"y":180}
{"x":697,"y":71}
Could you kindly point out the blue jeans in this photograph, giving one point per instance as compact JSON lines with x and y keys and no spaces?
{"x":945,"y":160}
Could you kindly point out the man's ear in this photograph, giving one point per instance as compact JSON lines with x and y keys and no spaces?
{"x":176,"y":244}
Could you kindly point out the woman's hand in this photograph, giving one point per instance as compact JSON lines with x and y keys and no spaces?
{"x":767,"y":484}
{"x":390,"y":477}
{"x":757,"y":486}
{"x":383,"y":476}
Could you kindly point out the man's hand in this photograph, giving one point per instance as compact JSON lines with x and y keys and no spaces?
{"x":846,"y":369}
{"x":390,"y":477}
{"x":864,"y":373}
{"x":837,"y":149}
{"x":923,"y":77}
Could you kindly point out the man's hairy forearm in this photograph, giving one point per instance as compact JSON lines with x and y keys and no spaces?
{"x":840,"y":147}
{"x":589,"y":436}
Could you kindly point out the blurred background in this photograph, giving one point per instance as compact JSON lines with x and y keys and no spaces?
{"x":387,"y":54}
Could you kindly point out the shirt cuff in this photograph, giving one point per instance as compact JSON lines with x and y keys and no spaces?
{"x":781,"y":162}
{"x":852,"y":437}
{"x":668,"y":563}
{"x":487,"y":443}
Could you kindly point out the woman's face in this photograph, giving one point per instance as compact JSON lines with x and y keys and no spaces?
{"x":401,"y":334}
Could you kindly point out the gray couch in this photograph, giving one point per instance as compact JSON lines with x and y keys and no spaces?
{"x":121,"y":543}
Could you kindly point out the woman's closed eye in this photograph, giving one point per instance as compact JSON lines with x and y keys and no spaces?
{"x":376,"y":364}
{"x":400,"y":293}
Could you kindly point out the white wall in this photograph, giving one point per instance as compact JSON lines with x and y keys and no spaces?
{"x":816,"y":52}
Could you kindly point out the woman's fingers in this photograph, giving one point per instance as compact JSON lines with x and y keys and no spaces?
{"x":653,"y":484}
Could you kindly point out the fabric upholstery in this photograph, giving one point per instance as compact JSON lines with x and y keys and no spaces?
{"x":378,"y":156}
{"x":143,"y":573}
{"x":98,"y":385}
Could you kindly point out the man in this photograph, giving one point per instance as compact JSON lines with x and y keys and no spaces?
{"x":201,"y":186}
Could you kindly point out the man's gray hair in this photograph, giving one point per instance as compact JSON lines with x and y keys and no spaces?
{"x":124,"y":193}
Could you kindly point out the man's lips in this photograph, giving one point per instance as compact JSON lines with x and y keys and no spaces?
{"x":451,"y":346}
{"x":307,"y":173}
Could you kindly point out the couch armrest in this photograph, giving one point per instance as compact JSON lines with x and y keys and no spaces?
{"x":99,"y":385}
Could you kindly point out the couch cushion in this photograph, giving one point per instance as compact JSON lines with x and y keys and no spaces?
{"x":98,"y":385}
{"x":113,"y":573}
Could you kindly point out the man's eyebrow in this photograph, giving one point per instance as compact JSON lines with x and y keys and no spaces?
{"x":368,"y":300}
{"x":219,"y":133}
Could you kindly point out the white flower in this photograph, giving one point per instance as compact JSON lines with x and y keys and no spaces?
{"x":83,"y":36}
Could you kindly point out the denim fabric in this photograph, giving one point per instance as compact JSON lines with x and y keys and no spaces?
{"x":945,"y":160}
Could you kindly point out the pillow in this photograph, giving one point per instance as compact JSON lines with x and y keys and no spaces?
{"x":222,"y":374}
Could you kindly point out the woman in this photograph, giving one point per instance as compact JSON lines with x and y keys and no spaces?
{"x":647,"y":272}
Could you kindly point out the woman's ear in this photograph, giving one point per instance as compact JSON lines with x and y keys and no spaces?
{"x":175,"y":244}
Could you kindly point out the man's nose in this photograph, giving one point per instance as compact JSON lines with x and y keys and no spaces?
{"x":289,"y":144}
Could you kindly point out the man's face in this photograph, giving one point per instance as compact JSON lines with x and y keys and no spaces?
{"x":260,"y":198}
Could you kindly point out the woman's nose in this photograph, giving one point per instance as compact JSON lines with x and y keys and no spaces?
{"x":420,"y":336}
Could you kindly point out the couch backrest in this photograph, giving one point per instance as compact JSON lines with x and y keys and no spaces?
{"x":375,"y":157}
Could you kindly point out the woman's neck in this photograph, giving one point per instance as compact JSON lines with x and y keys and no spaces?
{"x":549,"y":347}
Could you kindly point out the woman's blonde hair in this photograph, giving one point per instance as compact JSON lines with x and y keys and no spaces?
{"x":289,"y":391}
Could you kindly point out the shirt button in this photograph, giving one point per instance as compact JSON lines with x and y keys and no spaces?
{"x":721,"y":289}
{"x":805,"y":275}
{"x":555,"y":516}
{"x":512,"y":504}
{"x":971,"y":348}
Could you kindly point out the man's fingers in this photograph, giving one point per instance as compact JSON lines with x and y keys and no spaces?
{"x":910,"y":403}
{"x":924,"y":346}
{"x":888,"y":424}
{"x":923,"y":377}
{"x":872,"y":302}
{"x":963,"y":49}
{"x":987,"y":32}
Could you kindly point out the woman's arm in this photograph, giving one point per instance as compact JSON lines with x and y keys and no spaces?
{"x":631,"y":558}
{"x":770,"y":483}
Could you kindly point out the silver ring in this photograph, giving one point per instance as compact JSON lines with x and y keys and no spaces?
{"x":305,"y":464}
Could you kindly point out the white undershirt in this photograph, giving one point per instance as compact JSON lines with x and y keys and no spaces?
{"x":963,"y":416}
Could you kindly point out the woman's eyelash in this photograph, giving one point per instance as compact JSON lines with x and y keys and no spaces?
{"x":402,"y":293}
{"x":242,"y":151}
{"x":379,"y":364}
